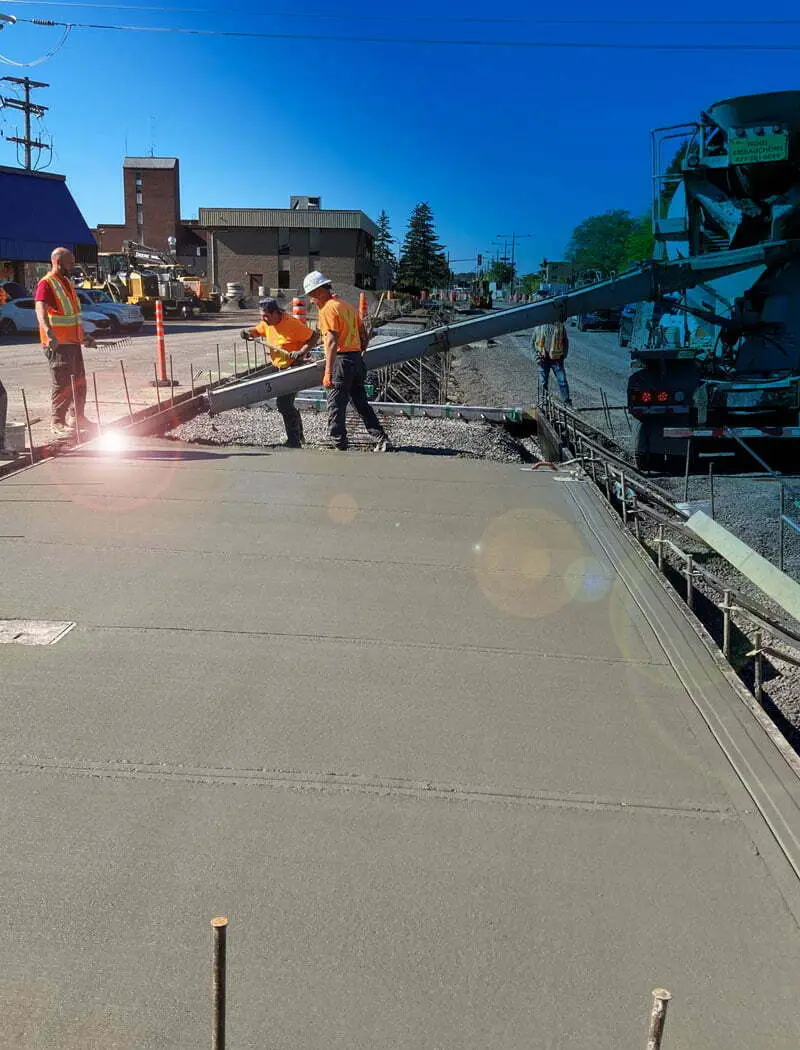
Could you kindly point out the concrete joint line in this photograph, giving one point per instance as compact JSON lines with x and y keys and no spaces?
{"x":368,"y":784}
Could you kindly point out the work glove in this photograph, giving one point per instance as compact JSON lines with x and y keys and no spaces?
{"x":297,"y":355}
{"x":244,"y":334}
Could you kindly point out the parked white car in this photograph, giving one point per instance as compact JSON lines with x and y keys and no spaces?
{"x":121,"y":315}
{"x":19,"y":315}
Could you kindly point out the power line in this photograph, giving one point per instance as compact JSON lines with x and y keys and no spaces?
{"x":461,"y":19}
{"x":440,"y":42}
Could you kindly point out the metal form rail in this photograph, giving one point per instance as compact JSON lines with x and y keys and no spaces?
{"x":637,"y":500}
{"x":652,"y":281}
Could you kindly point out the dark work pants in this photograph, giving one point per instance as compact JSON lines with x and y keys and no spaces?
{"x":291,"y":418}
{"x":65,"y":362}
{"x":349,"y":373}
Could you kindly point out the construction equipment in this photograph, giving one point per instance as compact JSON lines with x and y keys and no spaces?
{"x":480,"y":297}
{"x":144,"y":274}
{"x":716,"y":334}
{"x":725,"y":353}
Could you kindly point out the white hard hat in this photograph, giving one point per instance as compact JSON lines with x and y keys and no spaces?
{"x":314,"y":280}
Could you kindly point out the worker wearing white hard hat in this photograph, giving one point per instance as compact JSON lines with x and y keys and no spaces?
{"x":345,"y":340}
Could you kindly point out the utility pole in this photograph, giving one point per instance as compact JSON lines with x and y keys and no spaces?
{"x":514,"y":237}
{"x":27,"y":107}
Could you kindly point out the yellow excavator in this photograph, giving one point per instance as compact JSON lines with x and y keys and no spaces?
{"x":140,"y":275}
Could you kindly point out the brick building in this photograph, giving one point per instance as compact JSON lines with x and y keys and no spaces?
{"x":275,"y":248}
{"x":152,"y":200}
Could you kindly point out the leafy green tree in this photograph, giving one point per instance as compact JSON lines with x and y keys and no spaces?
{"x":599,"y":242}
{"x":422,"y":259}
{"x":639,"y":243}
{"x":500,"y":272}
{"x":530,"y":283}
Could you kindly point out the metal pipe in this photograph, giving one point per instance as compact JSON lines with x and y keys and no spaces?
{"x":690,"y":581}
{"x":96,"y":403}
{"x":29,"y":427}
{"x":127,"y":394}
{"x":758,"y":667}
{"x":658,"y":1016}
{"x":726,"y":625}
{"x":158,"y":395}
{"x":219,"y":926}
{"x":75,"y":409}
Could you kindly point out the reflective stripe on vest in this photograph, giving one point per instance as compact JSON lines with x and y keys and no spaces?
{"x":65,"y":319}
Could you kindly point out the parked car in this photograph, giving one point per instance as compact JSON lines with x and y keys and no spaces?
{"x":121,"y":315}
{"x":19,"y":315}
{"x":626,"y":324}
{"x":14,"y":290}
{"x":599,"y":320}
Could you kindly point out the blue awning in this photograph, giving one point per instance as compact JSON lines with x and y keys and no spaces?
{"x":37,"y":214}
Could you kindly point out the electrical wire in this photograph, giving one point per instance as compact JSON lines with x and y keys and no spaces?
{"x":440,"y":42}
{"x":5,"y":60}
{"x":655,"y":22}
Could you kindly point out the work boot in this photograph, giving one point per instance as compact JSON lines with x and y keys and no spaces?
{"x":383,"y":444}
{"x":60,"y":430}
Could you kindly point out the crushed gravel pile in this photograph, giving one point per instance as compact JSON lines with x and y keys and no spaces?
{"x":263,"y":427}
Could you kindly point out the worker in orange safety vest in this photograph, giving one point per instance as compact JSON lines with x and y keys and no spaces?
{"x":59,"y":314}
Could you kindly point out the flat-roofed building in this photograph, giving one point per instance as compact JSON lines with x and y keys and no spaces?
{"x":274,"y":248}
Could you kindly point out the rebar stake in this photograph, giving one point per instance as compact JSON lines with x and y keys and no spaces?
{"x":660,"y":548}
{"x":127,"y":393}
{"x":29,"y":427}
{"x":219,"y":926}
{"x":689,"y":581}
{"x":658,"y":1016}
{"x":75,"y":409}
{"x":96,"y":403}
{"x":758,"y":667}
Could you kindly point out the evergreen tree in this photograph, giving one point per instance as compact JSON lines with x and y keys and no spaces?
{"x":384,"y":256}
{"x":422,"y":259}
{"x":384,"y":240}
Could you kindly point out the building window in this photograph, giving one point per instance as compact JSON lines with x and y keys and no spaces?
{"x":138,"y":180}
{"x":138,"y":197}
{"x":284,"y":279}
{"x":313,"y":242}
{"x":283,"y":243}
{"x":139,"y":217}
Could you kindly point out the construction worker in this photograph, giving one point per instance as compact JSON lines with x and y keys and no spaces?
{"x":288,"y":341}
{"x":551,"y":344}
{"x":345,"y":340}
{"x":59,"y":314}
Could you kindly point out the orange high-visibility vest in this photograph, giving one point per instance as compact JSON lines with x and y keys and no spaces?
{"x":65,"y":320}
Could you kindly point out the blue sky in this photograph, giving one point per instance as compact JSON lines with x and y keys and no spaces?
{"x":496,"y":139}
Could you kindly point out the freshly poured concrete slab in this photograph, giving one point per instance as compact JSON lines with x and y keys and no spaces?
{"x":445,"y":779}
